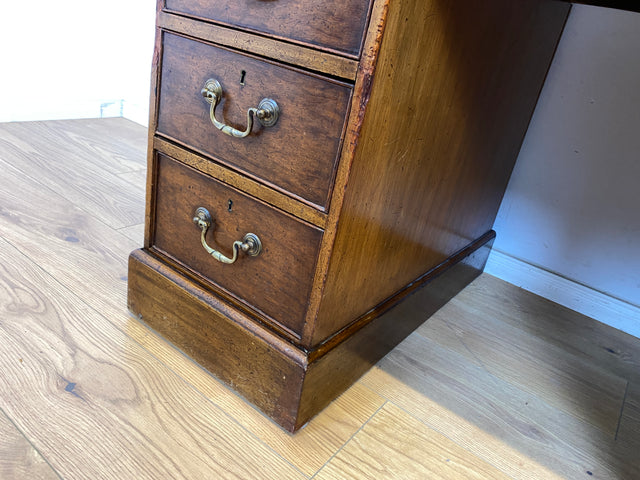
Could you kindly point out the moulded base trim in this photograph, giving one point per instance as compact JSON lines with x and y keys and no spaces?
{"x":288,"y":383}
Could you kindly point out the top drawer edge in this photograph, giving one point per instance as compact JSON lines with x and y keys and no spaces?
{"x":305,"y":57}
{"x":330,"y":25}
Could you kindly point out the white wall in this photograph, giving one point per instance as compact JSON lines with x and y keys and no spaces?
{"x":74,"y":59}
{"x":573,"y":203}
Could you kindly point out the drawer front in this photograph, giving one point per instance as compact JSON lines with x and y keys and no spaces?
{"x":329,"y":24}
{"x":276,"y":282}
{"x":297,"y":155}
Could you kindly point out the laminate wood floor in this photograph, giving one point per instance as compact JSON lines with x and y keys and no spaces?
{"x":499,"y":383}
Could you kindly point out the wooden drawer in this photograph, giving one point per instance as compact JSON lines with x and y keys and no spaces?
{"x":277,"y":282}
{"x":297,"y":155}
{"x":329,"y":24}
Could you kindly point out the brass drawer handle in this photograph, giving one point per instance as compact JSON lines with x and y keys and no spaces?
{"x":250,"y":244}
{"x":267,"y":111}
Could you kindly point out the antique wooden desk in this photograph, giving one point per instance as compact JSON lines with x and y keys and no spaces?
{"x":323,"y":174}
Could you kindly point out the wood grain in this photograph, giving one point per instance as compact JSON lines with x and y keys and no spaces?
{"x":297,"y":155}
{"x":304,"y":57}
{"x":36,"y":150}
{"x":247,"y":185}
{"x":18,"y":459}
{"x":77,"y":248}
{"x":277,"y":282}
{"x":452,"y":94}
{"x":517,"y":431}
{"x":559,"y":377}
{"x":328,"y":24}
{"x":63,"y":358}
{"x":394,"y":445}
{"x":493,"y":418}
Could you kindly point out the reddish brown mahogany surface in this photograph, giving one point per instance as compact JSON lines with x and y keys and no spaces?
{"x":399,"y":173}
{"x":298,"y":154}
{"x":452,"y":96}
{"x":277,"y":282}
{"x":333,"y":24}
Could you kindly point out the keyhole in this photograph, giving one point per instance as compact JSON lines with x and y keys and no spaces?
{"x":230,"y":205}
{"x":243,"y":74}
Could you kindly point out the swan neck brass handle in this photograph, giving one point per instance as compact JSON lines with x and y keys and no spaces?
{"x":267,"y":112}
{"x":250,"y":244}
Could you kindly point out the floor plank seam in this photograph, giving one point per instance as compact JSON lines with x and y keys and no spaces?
{"x":69,"y":198}
{"x":430,"y":427}
{"x":364,"y":424}
{"x":89,"y":213}
{"x":28,"y":440}
{"x":624,"y":402}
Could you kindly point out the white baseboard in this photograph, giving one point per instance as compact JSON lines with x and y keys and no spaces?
{"x":594,"y":304}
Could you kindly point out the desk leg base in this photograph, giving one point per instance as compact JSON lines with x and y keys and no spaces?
{"x":290,"y":385}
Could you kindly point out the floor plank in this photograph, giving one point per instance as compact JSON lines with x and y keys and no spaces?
{"x":75,"y":247}
{"x":514,"y":430}
{"x":18,"y":459}
{"x":61,"y":357}
{"x":38,"y":151}
{"x":568,"y":381}
{"x":395,"y":445}
{"x":499,"y":378}
{"x":604,"y":346}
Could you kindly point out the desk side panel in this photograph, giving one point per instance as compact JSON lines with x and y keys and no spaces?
{"x":455,"y":87}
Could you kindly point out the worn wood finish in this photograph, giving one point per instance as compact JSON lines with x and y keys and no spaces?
{"x":289,"y":384}
{"x":281,"y":51}
{"x":405,"y":168}
{"x":452,"y":96}
{"x":297,"y":155}
{"x":277,"y":282}
{"x":255,"y":362}
{"x":333,"y":24}
{"x":247,"y":185}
